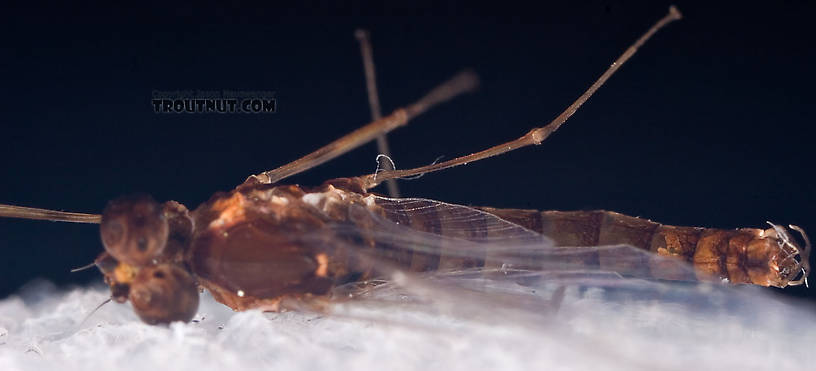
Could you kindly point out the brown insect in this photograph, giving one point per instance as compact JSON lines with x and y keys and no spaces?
{"x":272,"y":246}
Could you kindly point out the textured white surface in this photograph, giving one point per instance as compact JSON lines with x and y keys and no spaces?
{"x":40,"y":330}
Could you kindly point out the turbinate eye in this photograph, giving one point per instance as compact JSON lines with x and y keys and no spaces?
{"x":134,"y":229}
{"x":164,"y":293}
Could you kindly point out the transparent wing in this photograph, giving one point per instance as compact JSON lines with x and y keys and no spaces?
{"x":478,"y":258}
{"x":560,"y":299}
{"x":449,"y":231}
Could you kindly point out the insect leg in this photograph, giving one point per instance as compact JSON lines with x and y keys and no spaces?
{"x":536,"y":135}
{"x":463,"y":82}
{"x":21,"y":212}
{"x":374,"y":104}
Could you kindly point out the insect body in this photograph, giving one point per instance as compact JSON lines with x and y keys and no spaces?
{"x":263,"y":246}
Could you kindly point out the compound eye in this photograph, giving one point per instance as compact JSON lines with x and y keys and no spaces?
{"x":112,"y":230}
{"x":134,"y":229}
{"x":164,"y":293}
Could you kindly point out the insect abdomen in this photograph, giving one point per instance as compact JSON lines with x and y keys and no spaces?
{"x":747,"y":255}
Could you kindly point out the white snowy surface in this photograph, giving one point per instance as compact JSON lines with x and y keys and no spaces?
{"x":40,"y":330}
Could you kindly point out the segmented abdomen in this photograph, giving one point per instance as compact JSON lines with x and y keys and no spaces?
{"x":746,"y":255}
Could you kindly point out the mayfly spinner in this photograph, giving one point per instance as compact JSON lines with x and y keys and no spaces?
{"x":272,"y":246}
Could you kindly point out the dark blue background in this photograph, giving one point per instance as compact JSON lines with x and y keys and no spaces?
{"x":709,"y":125}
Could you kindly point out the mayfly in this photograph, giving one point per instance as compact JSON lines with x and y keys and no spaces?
{"x":272,"y":246}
